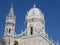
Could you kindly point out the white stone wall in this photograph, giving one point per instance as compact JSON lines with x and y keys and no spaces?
{"x":34,"y":18}
{"x":32,"y":40}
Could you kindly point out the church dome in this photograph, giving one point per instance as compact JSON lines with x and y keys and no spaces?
{"x":34,"y":11}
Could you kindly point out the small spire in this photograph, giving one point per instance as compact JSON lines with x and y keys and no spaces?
{"x":57,"y":43}
{"x":34,"y":5}
{"x":21,"y":31}
{"x":11,"y":13}
{"x":11,"y":5}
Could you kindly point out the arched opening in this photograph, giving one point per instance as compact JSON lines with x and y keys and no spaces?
{"x":31,"y":30}
{"x":9,"y":30}
{"x":15,"y":43}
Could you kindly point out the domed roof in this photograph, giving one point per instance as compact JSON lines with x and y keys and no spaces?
{"x":34,"y":11}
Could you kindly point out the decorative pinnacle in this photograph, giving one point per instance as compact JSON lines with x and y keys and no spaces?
{"x":11,"y":13}
{"x":11,"y":5}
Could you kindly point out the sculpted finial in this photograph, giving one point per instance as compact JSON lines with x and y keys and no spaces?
{"x":11,"y":5}
{"x":34,"y":6}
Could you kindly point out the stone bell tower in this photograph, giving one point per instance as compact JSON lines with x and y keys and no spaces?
{"x":9,"y":28}
{"x":35,"y":23}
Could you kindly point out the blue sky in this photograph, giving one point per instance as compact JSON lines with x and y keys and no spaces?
{"x":50,"y":8}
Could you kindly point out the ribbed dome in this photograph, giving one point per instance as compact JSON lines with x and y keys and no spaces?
{"x":34,"y":11}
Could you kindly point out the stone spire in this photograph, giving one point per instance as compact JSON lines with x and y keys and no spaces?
{"x":11,"y":13}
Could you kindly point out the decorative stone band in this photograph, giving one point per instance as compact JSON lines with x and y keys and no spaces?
{"x":10,"y":24}
{"x":9,"y":36}
{"x":35,"y":20}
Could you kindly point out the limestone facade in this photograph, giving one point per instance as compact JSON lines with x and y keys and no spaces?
{"x":34,"y":33}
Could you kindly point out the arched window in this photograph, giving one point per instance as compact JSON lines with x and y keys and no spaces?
{"x":9,"y":30}
{"x":31,"y":30}
{"x":15,"y":42}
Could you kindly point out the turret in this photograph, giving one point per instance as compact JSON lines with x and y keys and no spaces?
{"x":35,"y":23}
{"x":10,"y":28}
